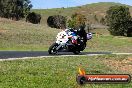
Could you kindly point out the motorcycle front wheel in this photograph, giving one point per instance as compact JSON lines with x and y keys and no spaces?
{"x":52,"y":48}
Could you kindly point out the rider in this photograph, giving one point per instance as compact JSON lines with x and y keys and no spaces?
{"x":62,"y":36}
{"x":72,"y":35}
{"x":66,"y":34}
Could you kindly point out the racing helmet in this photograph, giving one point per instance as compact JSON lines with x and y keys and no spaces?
{"x":67,"y":30}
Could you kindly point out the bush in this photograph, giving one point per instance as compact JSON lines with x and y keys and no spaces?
{"x":77,"y":20}
{"x":119,"y":20}
{"x":56,"y":21}
{"x":33,"y":18}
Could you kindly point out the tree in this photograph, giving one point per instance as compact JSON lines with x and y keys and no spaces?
{"x":14,"y":9}
{"x":118,"y":19}
{"x":56,"y":21}
{"x":77,"y":20}
{"x":129,"y":31}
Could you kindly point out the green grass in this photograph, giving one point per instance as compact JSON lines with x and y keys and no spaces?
{"x":57,"y":72}
{"x":109,"y":44}
{"x":25,"y":36}
{"x":37,"y":37}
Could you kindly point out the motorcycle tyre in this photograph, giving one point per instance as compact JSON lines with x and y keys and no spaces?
{"x":54,"y":45}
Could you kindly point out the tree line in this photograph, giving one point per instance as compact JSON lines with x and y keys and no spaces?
{"x":118,"y":19}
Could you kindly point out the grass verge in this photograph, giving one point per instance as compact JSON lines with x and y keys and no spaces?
{"x":57,"y":72}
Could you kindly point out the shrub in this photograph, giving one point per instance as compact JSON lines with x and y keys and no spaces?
{"x":56,"y":21}
{"x":119,"y":20}
{"x":77,"y":20}
{"x":33,"y":18}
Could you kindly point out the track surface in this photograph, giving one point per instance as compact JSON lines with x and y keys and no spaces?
{"x":21,"y":54}
{"x":28,"y":54}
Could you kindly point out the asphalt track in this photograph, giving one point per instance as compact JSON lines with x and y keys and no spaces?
{"x":5,"y":55}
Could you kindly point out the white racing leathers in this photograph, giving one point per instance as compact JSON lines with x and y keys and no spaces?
{"x":62,"y":37}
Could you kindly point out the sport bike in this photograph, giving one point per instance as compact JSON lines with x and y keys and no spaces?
{"x":64,"y":44}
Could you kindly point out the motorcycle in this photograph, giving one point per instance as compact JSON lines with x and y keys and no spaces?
{"x":63,"y":43}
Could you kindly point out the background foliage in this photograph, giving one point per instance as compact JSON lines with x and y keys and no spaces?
{"x":77,"y":20}
{"x":119,"y":20}
{"x":14,"y":9}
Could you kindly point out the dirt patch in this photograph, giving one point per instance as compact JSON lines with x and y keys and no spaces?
{"x":122,"y":65}
{"x":2,"y":31}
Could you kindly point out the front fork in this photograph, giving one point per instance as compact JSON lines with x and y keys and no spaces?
{"x":58,"y":47}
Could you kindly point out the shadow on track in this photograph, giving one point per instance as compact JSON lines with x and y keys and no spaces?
{"x":21,"y":54}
